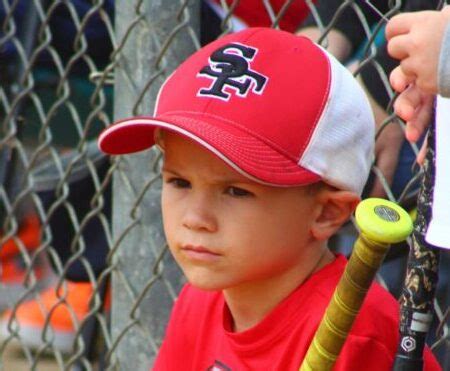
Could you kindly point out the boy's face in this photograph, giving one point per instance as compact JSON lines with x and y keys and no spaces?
{"x":225,"y":230}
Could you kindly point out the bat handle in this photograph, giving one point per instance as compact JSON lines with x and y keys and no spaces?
{"x":381,"y":223}
{"x":421,"y":277}
{"x":403,"y":363}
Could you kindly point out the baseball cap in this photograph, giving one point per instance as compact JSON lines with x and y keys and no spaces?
{"x":274,"y":106}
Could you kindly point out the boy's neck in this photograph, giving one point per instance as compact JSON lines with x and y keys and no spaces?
{"x":250,"y":303}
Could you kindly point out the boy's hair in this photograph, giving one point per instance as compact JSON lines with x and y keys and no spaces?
{"x":274,"y":106}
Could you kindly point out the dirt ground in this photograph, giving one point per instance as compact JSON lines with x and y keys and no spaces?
{"x":13,"y":359}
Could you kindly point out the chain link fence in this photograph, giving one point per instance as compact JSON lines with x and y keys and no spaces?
{"x":86,"y":281}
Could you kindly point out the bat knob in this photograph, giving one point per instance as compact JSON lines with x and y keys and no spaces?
{"x":383,"y":221}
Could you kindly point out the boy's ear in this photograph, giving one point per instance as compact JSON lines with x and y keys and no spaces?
{"x":334,"y":208}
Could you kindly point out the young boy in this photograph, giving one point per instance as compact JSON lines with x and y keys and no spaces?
{"x":267,"y":144}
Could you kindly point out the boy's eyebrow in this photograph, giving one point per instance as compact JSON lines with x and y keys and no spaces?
{"x":168,"y":170}
{"x":219,"y":179}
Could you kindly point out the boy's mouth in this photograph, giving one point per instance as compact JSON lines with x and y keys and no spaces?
{"x":199,"y":253}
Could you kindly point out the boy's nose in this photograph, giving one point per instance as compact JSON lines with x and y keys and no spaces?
{"x":200,"y":217}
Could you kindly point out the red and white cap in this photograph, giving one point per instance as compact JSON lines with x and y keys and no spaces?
{"x":274,"y":106}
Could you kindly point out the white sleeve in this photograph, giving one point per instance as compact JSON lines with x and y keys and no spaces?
{"x":444,"y":65}
{"x":439,"y":227}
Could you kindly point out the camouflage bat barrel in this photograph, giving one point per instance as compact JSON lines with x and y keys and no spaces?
{"x":421,"y":276}
{"x":381,"y":223}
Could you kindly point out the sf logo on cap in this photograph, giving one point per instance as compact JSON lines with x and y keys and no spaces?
{"x":229,"y":69}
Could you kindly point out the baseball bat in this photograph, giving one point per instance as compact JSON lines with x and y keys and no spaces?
{"x":381,"y":223}
{"x":416,"y":300}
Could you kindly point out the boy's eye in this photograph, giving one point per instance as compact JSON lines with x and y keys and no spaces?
{"x":238,"y":192}
{"x":179,"y":182}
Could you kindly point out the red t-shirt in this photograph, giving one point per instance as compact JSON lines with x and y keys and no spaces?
{"x":255,"y":14}
{"x":198,"y":336}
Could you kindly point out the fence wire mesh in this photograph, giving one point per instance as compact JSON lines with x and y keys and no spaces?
{"x":85,"y":278}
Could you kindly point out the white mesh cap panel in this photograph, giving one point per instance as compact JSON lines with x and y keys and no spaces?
{"x":341,"y":149}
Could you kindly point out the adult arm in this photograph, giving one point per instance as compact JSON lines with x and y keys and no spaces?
{"x":347,"y":25}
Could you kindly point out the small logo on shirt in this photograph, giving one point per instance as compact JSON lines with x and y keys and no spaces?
{"x":218,"y":366}
{"x":230,"y":71}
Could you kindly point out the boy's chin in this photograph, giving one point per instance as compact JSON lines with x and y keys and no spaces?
{"x":203,"y":282}
{"x":206,"y":285}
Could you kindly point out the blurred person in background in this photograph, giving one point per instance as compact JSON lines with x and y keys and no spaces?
{"x":58,"y":58}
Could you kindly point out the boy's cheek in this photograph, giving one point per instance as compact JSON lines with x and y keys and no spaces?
{"x":169,"y":228}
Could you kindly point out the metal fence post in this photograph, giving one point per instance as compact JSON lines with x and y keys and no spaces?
{"x":153,"y":37}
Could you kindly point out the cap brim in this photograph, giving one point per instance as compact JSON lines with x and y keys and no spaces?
{"x":128,"y":136}
{"x":245,"y":153}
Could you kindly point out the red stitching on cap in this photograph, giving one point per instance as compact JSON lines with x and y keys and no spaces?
{"x":236,"y":125}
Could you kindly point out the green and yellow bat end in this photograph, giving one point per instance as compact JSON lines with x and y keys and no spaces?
{"x":383,"y":221}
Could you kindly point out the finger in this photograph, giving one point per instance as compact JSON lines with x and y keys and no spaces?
{"x":399,"y":46}
{"x":399,"y":80}
{"x":428,"y":82}
{"x":408,"y":102}
{"x":399,"y":25}
{"x":422,"y":119}
{"x":412,"y":134}
{"x":409,"y":68}
{"x":423,"y":150}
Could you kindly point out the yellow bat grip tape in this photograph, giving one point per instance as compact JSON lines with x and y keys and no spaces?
{"x":354,"y":284}
{"x":323,"y":352}
{"x":364,"y":255}
{"x":342,"y":306}
{"x":333,"y":328}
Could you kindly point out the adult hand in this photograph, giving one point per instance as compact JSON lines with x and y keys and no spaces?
{"x":415,"y":39}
